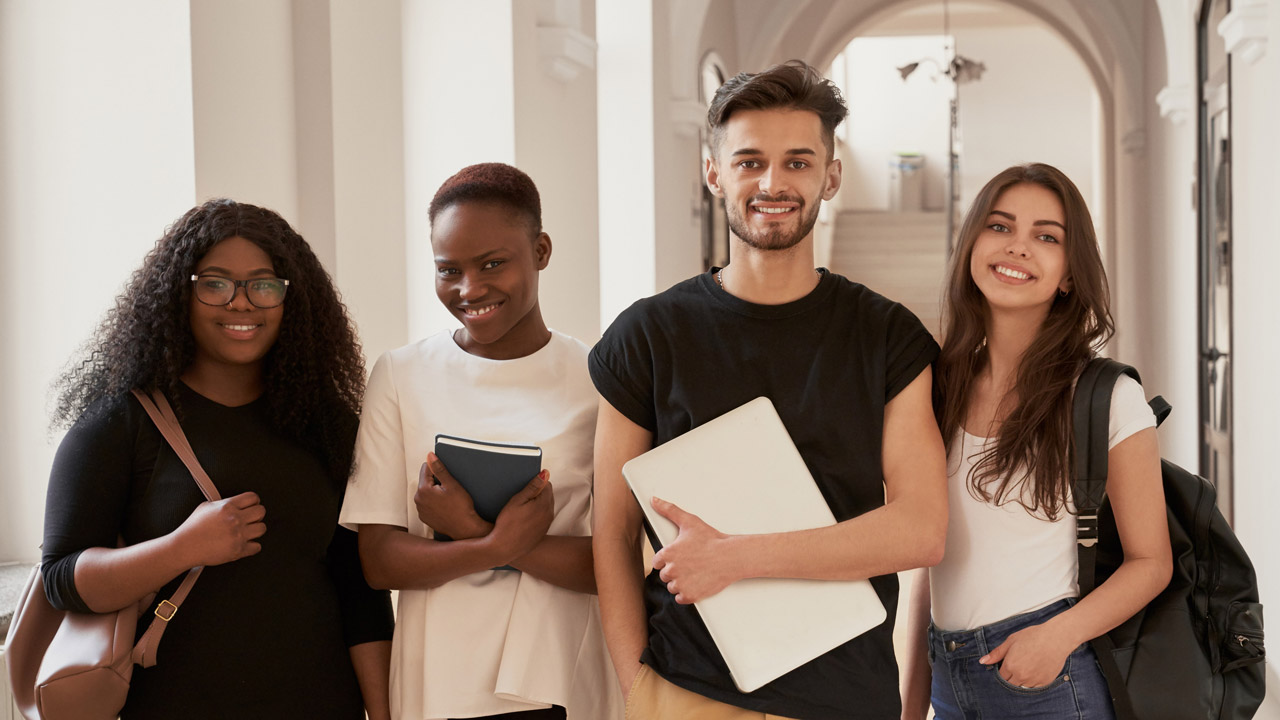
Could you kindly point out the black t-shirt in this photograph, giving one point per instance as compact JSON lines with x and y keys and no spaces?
{"x":261,"y":637}
{"x":829,"y":361}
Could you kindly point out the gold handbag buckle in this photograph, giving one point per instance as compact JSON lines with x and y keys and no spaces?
{"x":165,"y":610}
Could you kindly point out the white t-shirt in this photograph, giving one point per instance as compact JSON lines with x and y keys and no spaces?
{"x":1000,"y":560}
{"x":496,"y":641}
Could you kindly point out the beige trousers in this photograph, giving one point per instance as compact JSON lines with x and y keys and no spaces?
{"x":653,"y":698}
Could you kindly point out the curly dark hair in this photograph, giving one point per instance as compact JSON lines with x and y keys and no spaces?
{"x":496,"y":183}
{"x":313,"y":375}
{"x":792,"y":85}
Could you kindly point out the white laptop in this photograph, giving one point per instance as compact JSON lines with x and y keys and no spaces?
{"x":742,"y":474}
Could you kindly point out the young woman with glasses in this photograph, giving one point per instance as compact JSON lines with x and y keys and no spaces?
{"x":232,"y":317}
{"x":1026,"y":307}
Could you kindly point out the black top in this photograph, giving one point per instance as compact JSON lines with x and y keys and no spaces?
{"x":261,"y":637}
{"x":829,"y":361}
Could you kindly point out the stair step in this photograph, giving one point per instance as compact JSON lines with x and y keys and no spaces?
{"x":893,"y":219}
{"x":892,"y":243}
{"x":857,"y":255}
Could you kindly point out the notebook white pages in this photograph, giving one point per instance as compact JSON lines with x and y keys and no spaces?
{"x":742,"y":474}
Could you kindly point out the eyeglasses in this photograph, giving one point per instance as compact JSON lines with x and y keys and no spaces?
{"x":265,"y":292}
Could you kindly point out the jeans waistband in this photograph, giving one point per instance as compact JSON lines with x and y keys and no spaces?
{"x":956,"y":644}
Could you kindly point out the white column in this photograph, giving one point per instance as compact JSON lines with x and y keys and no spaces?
{"x":555,"y":143}
{"x":678,"y":115}
{"x":98,"y":158}
{"x":368,"y":170}
{"x":1173,"y":305}
{"x":459,"y":109}
{"x":242,"y":69}
{"x":628,"y":229}
{"x":311,"y":92}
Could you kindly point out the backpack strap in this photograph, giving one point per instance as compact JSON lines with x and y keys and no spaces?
{"x":1161,"y":408}
{"x":157,"y":407}
{"x":1091,"y":419}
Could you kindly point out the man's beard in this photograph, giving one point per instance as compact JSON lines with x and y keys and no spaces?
{"x":778,"y":238}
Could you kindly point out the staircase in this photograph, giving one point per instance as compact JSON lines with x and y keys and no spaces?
{"x":901,"y":255}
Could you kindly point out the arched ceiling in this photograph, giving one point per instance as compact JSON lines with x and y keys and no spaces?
{"x":1107,"y":35}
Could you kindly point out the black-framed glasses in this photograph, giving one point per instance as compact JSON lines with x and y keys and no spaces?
{"x":263,"y":292}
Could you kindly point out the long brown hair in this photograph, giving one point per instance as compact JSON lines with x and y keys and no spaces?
{"x":1031,"y":461}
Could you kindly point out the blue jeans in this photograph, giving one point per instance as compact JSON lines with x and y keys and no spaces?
{"x":965,"y":690}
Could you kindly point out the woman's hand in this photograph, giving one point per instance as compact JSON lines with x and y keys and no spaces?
{"x":220,"y":532}
{"x":444,"y":505}
{"x":526,"y":517}
{"x":1032,"y":657}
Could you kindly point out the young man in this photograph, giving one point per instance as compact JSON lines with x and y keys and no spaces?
{"x":848,"y":371}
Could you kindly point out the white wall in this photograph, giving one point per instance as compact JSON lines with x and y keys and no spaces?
{"x":679,"y":115}
{"x":113,"y":123}
{"x":1256,"y":333}
{"x":887,"y":115}
{"x":1014,"y":114}
{"x":98,"y":157}
{"x":555,"y":140}
{"x":297,"y":108}
{"x":459,"y":109}
{"x":478,"y":87}
{"x":368,"y":171}
{"x":625,"y":92}
{"x":242,"y":72}
{"x":1022,"y":111}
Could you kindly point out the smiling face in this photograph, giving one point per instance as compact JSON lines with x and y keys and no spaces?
{"x":773,"y":173}
{"x":487,"y":265}
{"x":236,"y":334}
{"x":1018,"y":260}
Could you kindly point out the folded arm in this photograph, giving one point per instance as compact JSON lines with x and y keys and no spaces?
{"x":395,"y":559}
{"x":444,"y":505}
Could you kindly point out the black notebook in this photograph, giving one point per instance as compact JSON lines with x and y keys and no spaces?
{"x":490,"y":472}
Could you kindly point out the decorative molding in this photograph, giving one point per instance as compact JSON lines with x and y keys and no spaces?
{"x":1134,"y":142}
{"x":1244,"y":30}
{"x":1216,"y":98}
{"x":688,"y":117}
{"x":565,"y":52}
{"x":1176,"y":103}
{"x":559,"y":13}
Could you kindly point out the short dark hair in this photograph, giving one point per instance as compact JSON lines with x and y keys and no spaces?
{"x":495,"y":183}
{"x":793,"y":85}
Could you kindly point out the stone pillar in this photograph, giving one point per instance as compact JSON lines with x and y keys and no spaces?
{"x":628,"y":203}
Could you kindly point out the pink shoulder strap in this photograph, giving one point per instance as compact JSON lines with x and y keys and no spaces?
{"x":157,"y":407}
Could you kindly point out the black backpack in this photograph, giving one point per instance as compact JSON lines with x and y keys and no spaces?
{"x":1195,"y":651}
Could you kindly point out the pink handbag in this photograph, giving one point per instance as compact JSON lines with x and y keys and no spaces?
{"x":77,"y":666}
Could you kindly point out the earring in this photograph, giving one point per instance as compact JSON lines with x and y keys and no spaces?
{"x":1063,"y":293}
